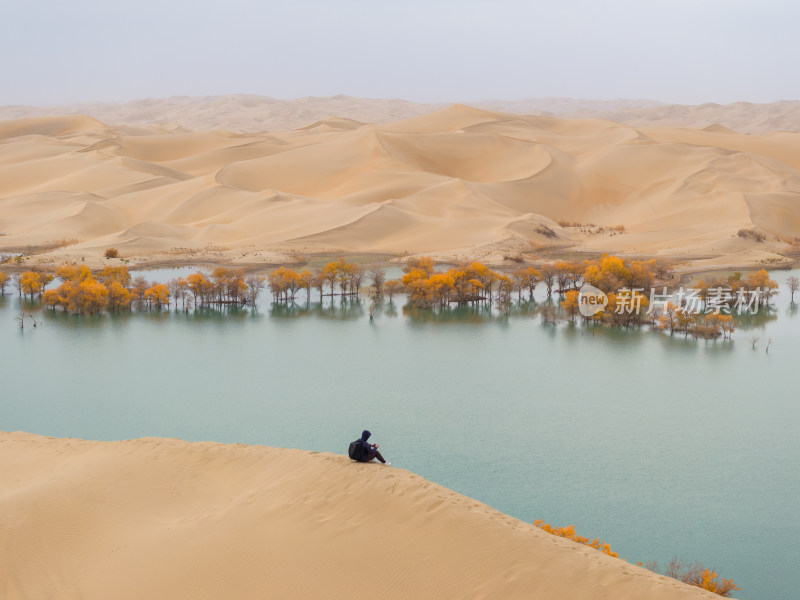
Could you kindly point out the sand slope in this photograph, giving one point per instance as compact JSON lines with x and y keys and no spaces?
{"x":457,"y":183}
{"x":162,"y":518}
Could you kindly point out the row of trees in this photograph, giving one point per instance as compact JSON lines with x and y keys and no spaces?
{"x":735,"y":284}
{"x":709,"y":326}
{"x":339,"y":274}
{"x":473,"y":282}
{"x":29,"y":283}
{"x":113,"y":288}
{"x":477,"y":282}
{"x":610,"y":273}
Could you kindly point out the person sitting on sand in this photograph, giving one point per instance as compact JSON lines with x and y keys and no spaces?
{"x":369,"y":451}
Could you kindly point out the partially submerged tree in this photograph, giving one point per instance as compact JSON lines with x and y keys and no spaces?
{"x":794,"y":285}
{"x":157,"y":296}
{"x":548,"y":275}
{"x":392,"y":287}
{"x":570,"y":304}
{"x":255,"y":283}
{"x":378,"y":279}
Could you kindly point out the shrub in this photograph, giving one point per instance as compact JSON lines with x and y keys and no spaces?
{"x":60,"y":243}
{"x":111,"y":253}
{"x":569,"y":533}
{"x":751,"y":234}
{"x":696,"y":575}
{"x":699,"y":576}
{"x":546,"y":231}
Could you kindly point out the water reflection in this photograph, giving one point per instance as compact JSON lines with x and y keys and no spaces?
{"x":387,"y":309}
{"x":338,"y":309}
{"x":471,"y":313}
{"x":66,"y":320}
{"x":764,"y":316}
{"x":215,"y":312}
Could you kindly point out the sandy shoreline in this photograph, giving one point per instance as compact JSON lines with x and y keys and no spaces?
{"x":681,"y":269}
{"x":155,"y":518}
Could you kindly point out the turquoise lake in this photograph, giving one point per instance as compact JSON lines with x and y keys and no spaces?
{"x":661,"y":446}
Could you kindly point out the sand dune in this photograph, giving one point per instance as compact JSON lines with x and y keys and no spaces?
{"x":743,"y":117}
{"x":458,"y":183}
{"x":253,"y":113}
{"x":241,"y":112}
{"x":163,"y":518}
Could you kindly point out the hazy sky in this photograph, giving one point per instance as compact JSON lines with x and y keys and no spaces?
{"x":671,"y":50}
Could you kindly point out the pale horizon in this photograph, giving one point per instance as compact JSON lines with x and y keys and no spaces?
{"x":671,"y":52}
{"x":468,"y":101}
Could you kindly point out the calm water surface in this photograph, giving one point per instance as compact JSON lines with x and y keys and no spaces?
{"x":662,"y":446}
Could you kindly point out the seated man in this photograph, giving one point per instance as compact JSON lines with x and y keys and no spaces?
{"x":368,"y":451}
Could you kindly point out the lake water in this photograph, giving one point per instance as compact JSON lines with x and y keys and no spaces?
{"x":662,"y":446}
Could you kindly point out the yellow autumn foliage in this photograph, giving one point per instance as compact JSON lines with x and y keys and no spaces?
{"x":569,"y":533}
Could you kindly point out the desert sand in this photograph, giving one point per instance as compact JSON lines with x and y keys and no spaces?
{"x":458,"y":183}
{"x":242,"y":113}
{"x":164,"y":518}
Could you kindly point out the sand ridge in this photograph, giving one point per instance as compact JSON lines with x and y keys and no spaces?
{"x":457,"y":183}
{"x":164,"y":518}
{"x":254,"y":113}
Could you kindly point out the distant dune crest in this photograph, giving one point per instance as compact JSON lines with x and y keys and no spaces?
{"x":252,"y":113}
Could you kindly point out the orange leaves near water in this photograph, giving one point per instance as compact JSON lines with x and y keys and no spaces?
{"x":612,"y":273}
{"x":51,"y":298}
{"x":114,"y":289}
{"x":285,"y":283}
{"x":81,"y":292}
{"x":119,"y":297}
{"x":569,"y":533}
{"x":466,"y":283}
{"x":157,"y":296}
{"x":570,"y":304}
{"x":696,"y":575}
{"x":710,"y":581}
{"x":30,"y":283}
{"x":392,"y":287}
{"x":111,"y":274}
{"x":92,"y":297}
{"x":86,"y":296}
{"x":67,"y":272}
{"x":198,"y":285}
